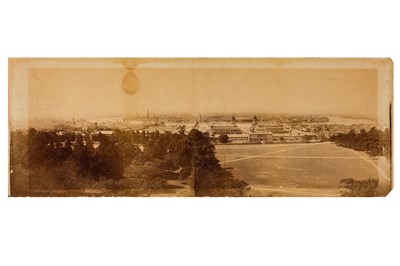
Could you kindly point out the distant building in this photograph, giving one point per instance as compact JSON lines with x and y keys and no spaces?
{"x":95,"y":136}
{"x":265,"y":137}
{"x":255,"y":121}
{"x":233,"y":120}
{"x":338,"y":131}
{"x":238,"y":137}
{"x":225,"y":129}
{"x":272,"y":128}
{"x":288,"y":138}
{"x":105,"y":132}
{"x":162,"y":128}
{"x":326,"y":134}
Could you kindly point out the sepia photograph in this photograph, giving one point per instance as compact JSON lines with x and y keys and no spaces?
{"x":200,"y":127}
{"x":199,"y":133}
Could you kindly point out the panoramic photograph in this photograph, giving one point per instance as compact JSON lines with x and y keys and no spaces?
{"x":200,"y":127}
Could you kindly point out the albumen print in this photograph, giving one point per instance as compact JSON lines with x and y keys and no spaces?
{"x":200,"y":127}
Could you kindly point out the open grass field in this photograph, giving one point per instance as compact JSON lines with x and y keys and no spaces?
{"x":304,"y":169}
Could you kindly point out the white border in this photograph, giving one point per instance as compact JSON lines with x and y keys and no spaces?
{"x":277,"y":231}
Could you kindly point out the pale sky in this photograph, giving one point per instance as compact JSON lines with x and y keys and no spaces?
{"x":91,"y":92}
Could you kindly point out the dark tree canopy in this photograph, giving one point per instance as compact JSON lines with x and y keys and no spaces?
{"x":359,"y":188}
{"x":375,"y":141}
{"x":223,"y":138}
{"x":146,"y":159}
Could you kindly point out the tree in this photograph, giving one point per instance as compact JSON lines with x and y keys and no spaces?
{"x":209,"y":179}
{"x":220,"y":184}
{"x":82,"y":157}
{"x":386,"y":143}
{"x":203,"y":152}
{"x":19,"y":149}
{"x":129,"y":151}
{"x":359,"y":188}
{"x":69,"y":161}
{"x":144,"y":178}
{"x":223,"y":138}
{"x":107,"y":161}
{"x":374,"y":142}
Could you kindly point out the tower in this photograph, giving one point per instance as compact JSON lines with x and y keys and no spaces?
{"x":255,"y":120}
{"x":233,"y":119}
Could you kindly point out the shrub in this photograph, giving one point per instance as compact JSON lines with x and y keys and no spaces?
{"x":359,"y":188}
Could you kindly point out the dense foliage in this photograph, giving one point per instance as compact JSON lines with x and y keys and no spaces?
{"x":360,"y":188}
{"x":133,"y":161}
{"x":375,"y":141}
{"x":223,"y":138}
{"x":209,"y":178}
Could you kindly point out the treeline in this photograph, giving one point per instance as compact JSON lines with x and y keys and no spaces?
{"x":360,"y":188}
{"x":67,"y":161}
{"x":138,"y":162}
{"x":374,"y":142}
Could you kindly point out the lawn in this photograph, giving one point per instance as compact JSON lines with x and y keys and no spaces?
{"x":298,"y":169}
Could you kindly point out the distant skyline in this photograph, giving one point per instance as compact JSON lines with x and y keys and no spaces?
{"x":98,"y":92}
{"x":59,"y":92}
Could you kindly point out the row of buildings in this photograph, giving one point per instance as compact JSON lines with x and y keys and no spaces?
{"x":238,"y":131}
{"x":256,"y":132}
